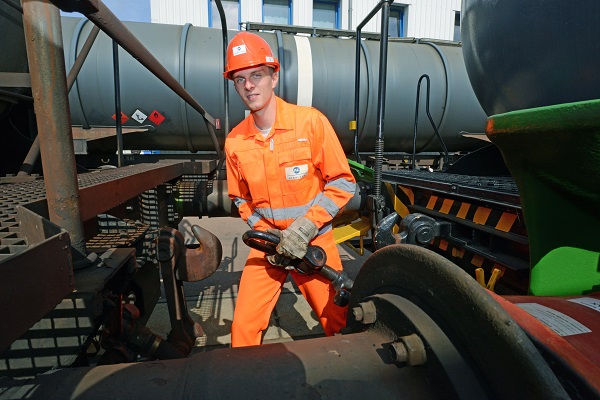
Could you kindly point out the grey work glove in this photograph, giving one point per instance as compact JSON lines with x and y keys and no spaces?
{"x":278,"y":259}
{"x":295,"y":239}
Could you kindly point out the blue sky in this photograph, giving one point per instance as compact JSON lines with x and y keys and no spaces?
{"x":126,"y":10}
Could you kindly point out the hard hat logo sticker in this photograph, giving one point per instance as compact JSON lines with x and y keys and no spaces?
{"x":241,"y":49}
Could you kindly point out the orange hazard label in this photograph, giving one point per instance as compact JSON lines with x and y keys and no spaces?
{"x":124,"y":117}
{"x":156,"y":117}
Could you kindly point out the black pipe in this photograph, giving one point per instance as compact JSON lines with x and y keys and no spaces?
{"x":383,"y":51}
{"x":121,"y":161}
{"x":280,"y":56}
{"x":445,"y":149}
{"x":225,"y":81}
{"x":356,"y":94}
{"x":225,"y":44}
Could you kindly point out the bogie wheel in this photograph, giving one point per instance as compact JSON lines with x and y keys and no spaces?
{"x":495,"y":348}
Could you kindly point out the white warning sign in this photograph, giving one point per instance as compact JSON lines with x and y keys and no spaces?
{"x":590,"y":302}
{"x":139,"y":116}
{"x":560,"y":323}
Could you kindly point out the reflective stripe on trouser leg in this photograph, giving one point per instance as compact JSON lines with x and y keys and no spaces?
{"x":318,"y":291}
{"x":258,"y":292}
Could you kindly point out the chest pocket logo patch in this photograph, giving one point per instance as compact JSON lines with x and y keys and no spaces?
{"x":296,"y":172}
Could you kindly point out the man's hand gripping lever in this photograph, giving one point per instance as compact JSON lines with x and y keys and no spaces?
{"x":313,"y":261}
{"x":295,"y":239}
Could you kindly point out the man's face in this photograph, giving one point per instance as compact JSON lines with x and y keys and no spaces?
{"x":255,"y":86}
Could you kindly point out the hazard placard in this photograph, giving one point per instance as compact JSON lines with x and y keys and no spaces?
{"x":156,"y":117}
{"x":139,"y":116}
{"x":124,"y":118}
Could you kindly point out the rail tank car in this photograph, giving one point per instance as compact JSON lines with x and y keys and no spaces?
{"x":315,"y":71}
{"x":543,"y":53}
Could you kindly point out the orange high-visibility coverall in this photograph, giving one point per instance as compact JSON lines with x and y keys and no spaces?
{"x":298,"y":170}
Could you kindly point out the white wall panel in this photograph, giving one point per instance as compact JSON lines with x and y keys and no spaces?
{"x":179,"y":12}
{"x":302,"y":13}
{"x":422,"y":18}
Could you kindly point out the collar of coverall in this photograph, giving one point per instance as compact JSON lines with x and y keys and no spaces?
{"x":282,"y":121}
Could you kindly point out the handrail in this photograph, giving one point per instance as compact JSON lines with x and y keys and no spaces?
{"x":117,"y":84}
{"x":384,"y":5}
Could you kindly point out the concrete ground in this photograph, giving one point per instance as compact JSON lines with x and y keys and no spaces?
{"x":211,"y":301}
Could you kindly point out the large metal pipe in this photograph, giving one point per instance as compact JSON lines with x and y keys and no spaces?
{"x":356,"y":366}
{"x":316,"y":71}
{"x":49,"y":86}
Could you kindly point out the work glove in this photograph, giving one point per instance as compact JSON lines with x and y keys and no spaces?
{"x":280,"y":261}
{"x":295,"y":239}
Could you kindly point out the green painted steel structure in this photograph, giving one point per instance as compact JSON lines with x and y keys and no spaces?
{"x":553,"y":154}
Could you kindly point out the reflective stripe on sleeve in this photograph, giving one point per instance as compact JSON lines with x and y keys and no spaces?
{"x":342,"y":184}
{"x":238,"y":201}
{"x":253,"y":219}
{"x":329,"y":205}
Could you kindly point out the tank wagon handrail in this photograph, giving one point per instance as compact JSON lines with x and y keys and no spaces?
{"x":384,"y":5}
{"x":257,"y":26}
{"x":117,"y":85}
{"x":437,"y":133}
{"x":97,"y":12}
{"x":225,"y":81}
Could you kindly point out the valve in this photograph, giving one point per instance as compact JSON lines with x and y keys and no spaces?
{"x":314,"y":261}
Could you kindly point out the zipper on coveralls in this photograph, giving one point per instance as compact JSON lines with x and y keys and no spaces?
{"x":271,"y":144}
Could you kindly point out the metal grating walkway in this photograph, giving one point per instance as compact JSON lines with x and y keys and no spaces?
{"x":99,"y":191}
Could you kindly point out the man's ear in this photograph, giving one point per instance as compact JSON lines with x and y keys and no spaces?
{"x":275,"y":78}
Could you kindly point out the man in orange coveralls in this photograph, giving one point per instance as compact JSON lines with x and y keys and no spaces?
{"x":288,"y":175}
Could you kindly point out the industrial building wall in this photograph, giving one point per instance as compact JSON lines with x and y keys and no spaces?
{"x":421,"y":18}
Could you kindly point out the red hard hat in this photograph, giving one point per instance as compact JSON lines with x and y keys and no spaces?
{"x":248,"y":50}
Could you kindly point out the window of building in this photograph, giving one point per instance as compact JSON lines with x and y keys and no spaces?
{"x":396,"y":27}
{"x":277,"y":12}
{"x":232,"y":14}
{"x":457,"y":26}
{"x":326,"y":14}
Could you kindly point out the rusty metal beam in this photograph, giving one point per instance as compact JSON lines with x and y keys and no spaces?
{"x":85,"y":50}
{"x":43,"y":36}
{"x":102,"y":132}
{"x":30,"y":286}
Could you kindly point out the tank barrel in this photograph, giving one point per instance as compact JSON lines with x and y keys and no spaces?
{"x":315,"y":72}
